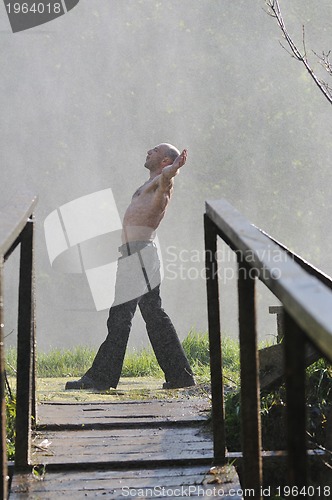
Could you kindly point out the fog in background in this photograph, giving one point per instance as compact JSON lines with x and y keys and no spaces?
{"x":85,"y":96}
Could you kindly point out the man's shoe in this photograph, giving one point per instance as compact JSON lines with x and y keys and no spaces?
{"x":178,"y":385}
{"x":84,"y":383}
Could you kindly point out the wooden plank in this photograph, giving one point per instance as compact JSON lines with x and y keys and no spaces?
{"x":272,"y":364}
{"x":296,"y":404}
{"x":25,"y":348}
{"x":123,"y":444}
{"x":307,"y":300}
{"x":165,"y":482}
{"x":127,"y":413}
{"x":217,"y":383}
{"x":250,"y":389}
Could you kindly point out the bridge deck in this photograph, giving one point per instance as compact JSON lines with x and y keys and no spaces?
{"x":150,"y":448}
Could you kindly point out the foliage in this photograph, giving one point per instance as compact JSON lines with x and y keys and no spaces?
{"x":10,"y":422}
{"x":196,"y":346}
{"x":318,"y":399}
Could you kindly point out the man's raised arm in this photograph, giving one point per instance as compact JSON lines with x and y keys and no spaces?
{"x":171,"y":170}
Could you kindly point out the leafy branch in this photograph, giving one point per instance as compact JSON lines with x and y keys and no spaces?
{"x":273,"y":10}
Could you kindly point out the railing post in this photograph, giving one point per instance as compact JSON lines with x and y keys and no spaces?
{"x":33,"y":340}
{"x":250,"y":392}
{"x":34,"y":368}
{"x":3,"y":441}
{"x":217,"y":388}
{"x":25,"y":350}
{"x":294,"y":344}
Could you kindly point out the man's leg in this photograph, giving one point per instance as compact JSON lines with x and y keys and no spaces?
{"x":107,"y":365}
{"x":165,"y":342}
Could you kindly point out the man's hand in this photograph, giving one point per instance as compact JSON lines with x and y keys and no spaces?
{"x":180,"y":160}
{"x":171,"y":170}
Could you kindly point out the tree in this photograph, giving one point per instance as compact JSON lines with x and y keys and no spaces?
{"x":273,"y":10}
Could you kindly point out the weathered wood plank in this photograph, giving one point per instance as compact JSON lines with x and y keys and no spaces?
{"x":250,"y":396}
{"x":123,"y":444}
{"x":141,"y":477}
{"x":164,"y":482}
{"x":214,"y":327}
{"x":133,"y":412}
{"x":100,"y":457}
{"x":25,"y":347}
{"x":145,"y":435}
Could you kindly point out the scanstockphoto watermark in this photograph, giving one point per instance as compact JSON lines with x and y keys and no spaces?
{"x":185,"y":491}
{"x":191,"y":264}
{"x":220,"y":492}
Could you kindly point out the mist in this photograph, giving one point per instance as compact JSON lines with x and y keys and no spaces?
{"x":85,"y":96}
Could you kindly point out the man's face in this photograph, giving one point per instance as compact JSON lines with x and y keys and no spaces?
{"x":155,"y":156}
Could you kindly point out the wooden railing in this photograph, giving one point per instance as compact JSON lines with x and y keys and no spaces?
{"x":17,"y":228}
{"x":306,"y":297}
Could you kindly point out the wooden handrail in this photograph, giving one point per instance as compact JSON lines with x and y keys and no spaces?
{"x":17,"y":228}
{"x":13,"y":219}
{"x":306,"y":297}
{"x":313,"y":270}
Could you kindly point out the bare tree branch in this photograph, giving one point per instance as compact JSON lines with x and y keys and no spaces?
{"x":275,"y":12}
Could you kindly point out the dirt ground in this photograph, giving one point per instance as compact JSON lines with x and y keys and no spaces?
{"x":53,"y":389}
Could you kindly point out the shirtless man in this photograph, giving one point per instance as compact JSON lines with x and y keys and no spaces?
{"x":150,"y":201}
{"x":138,"y":283}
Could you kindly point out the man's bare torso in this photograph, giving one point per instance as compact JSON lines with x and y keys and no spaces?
{"x":146,"y":211}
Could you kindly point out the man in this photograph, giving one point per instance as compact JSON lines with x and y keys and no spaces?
{"x":138,"y":282}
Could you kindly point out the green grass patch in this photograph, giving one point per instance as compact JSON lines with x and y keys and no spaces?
{"x":142,"y":363}
{"x":273,"y":422}
{"x":10,"y":424}
{"x":57,"y":362}
{"x":273,"y":404}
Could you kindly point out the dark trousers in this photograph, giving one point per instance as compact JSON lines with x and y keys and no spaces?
{"x":107,"y":365}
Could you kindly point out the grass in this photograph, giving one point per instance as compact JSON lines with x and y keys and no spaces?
{"x":142,"y":363}
{"x":273,"y":413}
{"x":10,"y":421}
{"x":57,"y":362}
{"x":318,"y":400}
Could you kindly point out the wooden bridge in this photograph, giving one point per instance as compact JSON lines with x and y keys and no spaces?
{"x":101,"y":448}
{"x":123,"y":448}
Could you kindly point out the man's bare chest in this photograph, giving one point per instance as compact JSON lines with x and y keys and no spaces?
{"x":145,"y":190}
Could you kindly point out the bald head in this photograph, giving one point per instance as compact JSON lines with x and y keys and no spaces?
{"x":160,"y":156}
{"x":170,"y":151}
